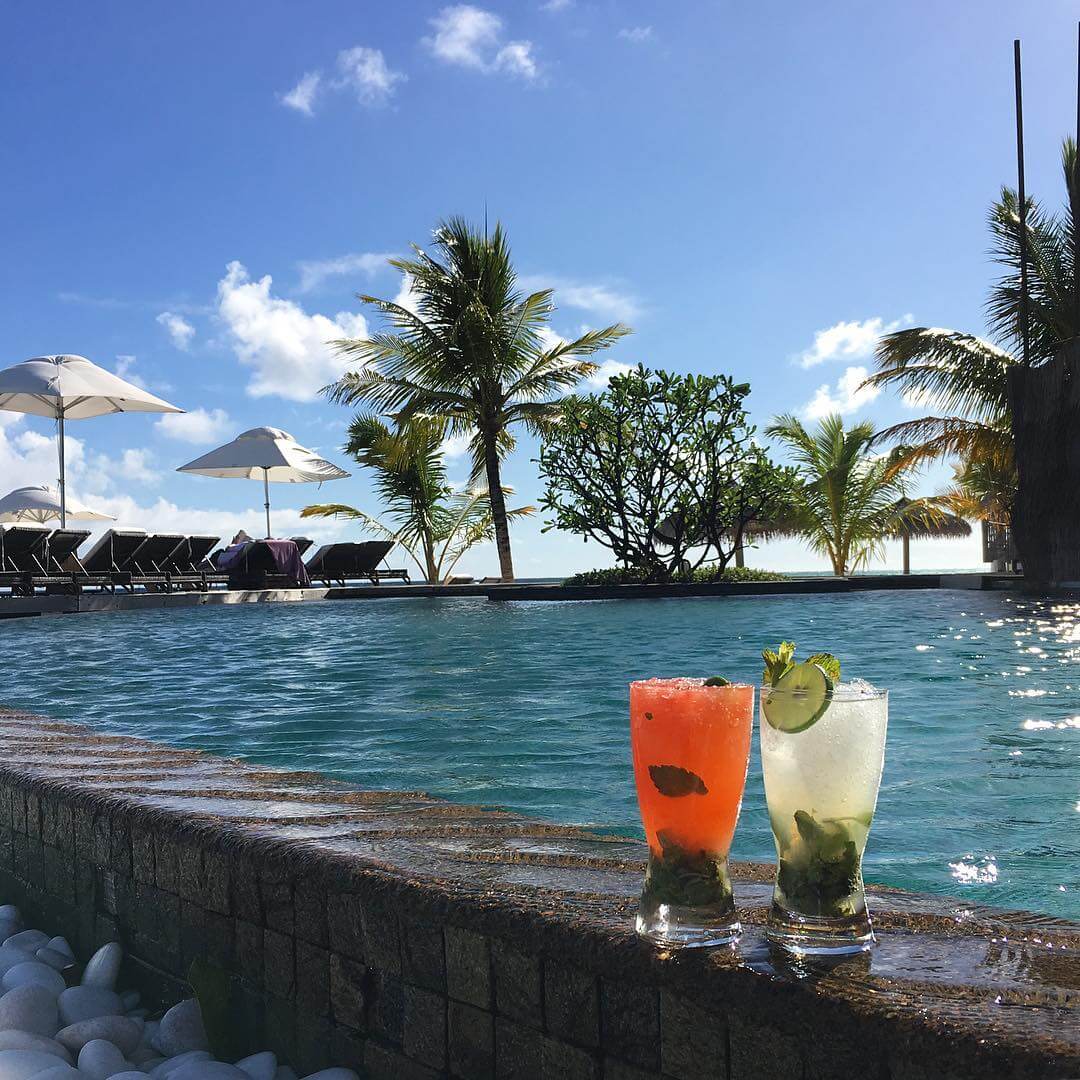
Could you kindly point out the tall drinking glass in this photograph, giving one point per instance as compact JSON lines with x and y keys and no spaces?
{"x":691,"y":746}
{"x":821,"y":786}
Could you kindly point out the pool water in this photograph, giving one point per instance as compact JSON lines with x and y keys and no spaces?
{"x":524,"y":705}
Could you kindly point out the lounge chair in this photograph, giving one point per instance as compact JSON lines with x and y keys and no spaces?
{"x":61,"y":550}
{"x":302,"y":544}
{"x":148,"y":559}
{"x":22,"y":555}
{"x":188,"y":566}
{"x":112,"y":554}
{"x":343,"y":562}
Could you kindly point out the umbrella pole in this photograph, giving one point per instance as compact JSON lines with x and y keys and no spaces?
{"x":266,"y":504}
{"x":907,"y":553}
{"x":63,"y":489}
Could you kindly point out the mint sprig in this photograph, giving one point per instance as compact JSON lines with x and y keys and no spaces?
{"x":779,"y":662}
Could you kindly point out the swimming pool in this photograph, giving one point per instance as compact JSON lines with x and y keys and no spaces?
{"x":524,"y":705}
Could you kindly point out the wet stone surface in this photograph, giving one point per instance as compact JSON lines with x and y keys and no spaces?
{"x":437,"y":940}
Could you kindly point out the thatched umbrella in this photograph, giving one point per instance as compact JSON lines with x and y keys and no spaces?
{"x":917,"y":519}
{"x":779,"y":528}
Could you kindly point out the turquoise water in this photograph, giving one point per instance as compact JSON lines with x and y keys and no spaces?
{"x":525,"y":705}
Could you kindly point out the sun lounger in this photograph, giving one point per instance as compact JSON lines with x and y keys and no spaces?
{"x":188,"y":566}
{"x":343,"y":562}
{"x":22,"y":555}
{"x":303,"y":543}
{"x":112,"y":554}
{"x":61,"y":550}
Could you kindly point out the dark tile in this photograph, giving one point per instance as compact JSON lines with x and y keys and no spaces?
{"x":59,"y":874}
{"x":630,"y":1021}
{"x":244,"y":887}
{"x":759,"y":1052}
{"x":381,"y":936}
{"x":309,"y":902}
{"x":192,"y":932}
{"x":33,"y":815}
{"x":382,"y":1063}
{"x":216,"y":893}
{"x":616,"y":1070}
{"x":276,"y":896}
{"x":385,"y":1006}
{"x":517,"y":984}
{"x":312,"y":979}
{"x":120,"y":845}
{"x":345,"y":928}
{"x":191,"y":880}
{"x":142,"y":855}
{"x":279,"y":971}
{"x":560,"y":1061}
{"x":571,"y":1004}
{"x":312,"y":1043}
{"x":468,"y":966}
{"x":693,"y":1041}
{"x":166,"y":863}
{"x":220,"y":938}
{"x":518,"y":1051}
{"x":279,"y":1031}
{"x":347,"y":993}
{"x":347,"y":1048}
{"x":249,"y":951}
{"x":424,"y":1035}
{"x":423,"y":960}
{"x":470,"y":1042}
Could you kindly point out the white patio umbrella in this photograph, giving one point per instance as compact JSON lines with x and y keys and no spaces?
{"x":71,"y":388}
{"x":269,"y":453}
{"x":40,"y":503}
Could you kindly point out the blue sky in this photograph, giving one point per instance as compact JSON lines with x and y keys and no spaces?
{"x":191,"y":194}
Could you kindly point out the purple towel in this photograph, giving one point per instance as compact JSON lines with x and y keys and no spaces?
{"x":287,"y":560}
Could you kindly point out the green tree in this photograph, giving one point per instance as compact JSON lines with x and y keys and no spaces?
{"x":849,"y":500}
{"x":471,"y":352}
{"x":662,"y":469}
{"x":432,"y":522}
{"x":964,"y":378}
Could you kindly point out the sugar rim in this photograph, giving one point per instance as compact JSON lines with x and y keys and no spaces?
{"x":688,"y":681}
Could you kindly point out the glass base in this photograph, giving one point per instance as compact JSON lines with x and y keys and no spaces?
{"x":687,"y":928}
{"x":815,"y":935}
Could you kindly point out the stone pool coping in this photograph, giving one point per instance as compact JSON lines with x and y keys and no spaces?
{"x":425,"y":939}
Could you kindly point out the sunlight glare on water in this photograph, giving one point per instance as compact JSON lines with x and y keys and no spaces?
{"x":524,"y":705}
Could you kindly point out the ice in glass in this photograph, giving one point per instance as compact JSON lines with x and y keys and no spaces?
{"x":691,"y":746}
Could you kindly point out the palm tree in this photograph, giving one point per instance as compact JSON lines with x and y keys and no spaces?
{"x":470,"y":352}
{"x":964,"y":377}
{"x":432,"y":522}
{"x":850,"y":499}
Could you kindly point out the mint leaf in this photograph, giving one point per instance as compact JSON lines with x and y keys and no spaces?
{"x":777,"y":663}
{"x":717,"y":680}
{"x":676,"y":783}
{"x":828,"y":663}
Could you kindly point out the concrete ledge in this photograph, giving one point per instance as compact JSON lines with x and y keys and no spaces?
{"x":421,"y":940}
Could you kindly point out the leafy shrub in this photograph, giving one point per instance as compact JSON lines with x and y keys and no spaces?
{"x":624,"y":575}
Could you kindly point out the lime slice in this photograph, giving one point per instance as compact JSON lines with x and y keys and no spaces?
{"x":798,"y":699}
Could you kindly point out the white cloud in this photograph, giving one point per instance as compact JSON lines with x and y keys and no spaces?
{"x":556,"y":5}
{"x":313,"y":273}
{"x":366,"y":73}
{"x":849,"y":340}
{"x":636,"y":34}
{"x":846,"y":397}
{"x":606,"y":371}
{"x":198,"y":426}
{"x":134,"y":465}
{"x":406,"y":295}
{"x":454,"y":447}
{"x":180,"y":330}
{"x":285,"y":347}
{"x":123,"y":367}
{"x":473,"y":38}
{"x":302,"y":96}
{"x":602,"y":301}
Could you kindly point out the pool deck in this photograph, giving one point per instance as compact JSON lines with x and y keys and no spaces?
{"x":89,"y":602}
{"x":416,"y":938}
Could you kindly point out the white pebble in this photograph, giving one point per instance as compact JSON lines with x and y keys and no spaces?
{"x":103,"y":967}
{"x":29,"y":1008}
{"x":27,"y":939}
{"x":208,"y":1070}
{"x":34,"y":971}
{"x":54,"y":958}
{"x":59,"y":1072}
{"x":85,"y":1002}
{"x":60,"y":944}
{"x":10,"y":913}
{"x":133,"y":1075}
{"x":121,"y":1030}
{"x":181,"y":1029}
{"x":131,"y":999}
{"x":10,"y":955}
{"x":259,"y":1066}
{"x":25,"y":1040}
{"x":170,"y":1065}
{"x":99,"y":1059}
{"x":22,"y":1064}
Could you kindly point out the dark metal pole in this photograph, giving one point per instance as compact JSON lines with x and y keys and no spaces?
{"x":1024,"y":329}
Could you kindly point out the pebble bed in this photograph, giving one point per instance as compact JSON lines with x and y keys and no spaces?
{"x":52,"y":1031}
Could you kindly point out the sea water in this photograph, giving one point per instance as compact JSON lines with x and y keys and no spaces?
{"x":524,"y":705}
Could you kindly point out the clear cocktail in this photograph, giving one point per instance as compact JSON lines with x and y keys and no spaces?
{"x":822,"y":752}
{"x":691,"y":747}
